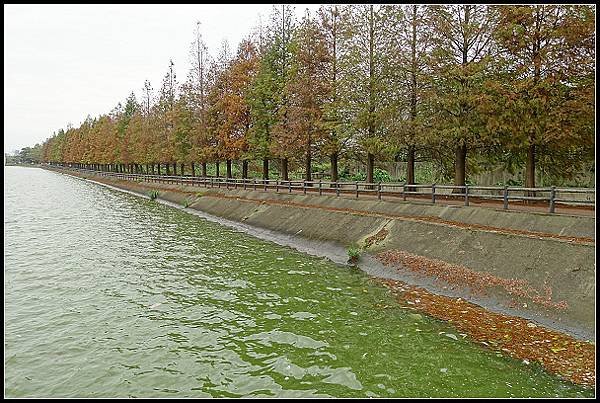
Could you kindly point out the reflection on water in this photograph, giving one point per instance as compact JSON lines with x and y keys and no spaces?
{"x":112,"y":295}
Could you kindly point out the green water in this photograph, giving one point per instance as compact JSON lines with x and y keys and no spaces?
{"x":107,"y":294}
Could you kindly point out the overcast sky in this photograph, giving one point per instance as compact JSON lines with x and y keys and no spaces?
{"x":63,"y":62}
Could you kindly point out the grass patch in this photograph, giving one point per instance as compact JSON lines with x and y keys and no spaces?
{"x":153,"y":194}
{"x":186,"y":203}
{"x":353,"y":254}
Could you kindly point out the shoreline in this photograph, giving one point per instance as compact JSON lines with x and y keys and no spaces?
{"x":557,"y":352}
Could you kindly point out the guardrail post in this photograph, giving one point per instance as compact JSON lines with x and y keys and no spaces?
{"x":356,"y":184}
{"x":404,"y":192}
{"x":505,"y":197}
{"x":466,"y":195}
{"x":379,"y":190}
{"x":337,"y":188}
{"x":277,"y":185}
{"x":320,"y":190}
{"x":304,"y":185}
{"x":289,"y":186}
{"x":433,"y":193}
{"x":227,"y":183}
{"x":254,"y":182}
{"x":244,"y":183}
{"x":265,"y":183}
{"x":552,"y":197}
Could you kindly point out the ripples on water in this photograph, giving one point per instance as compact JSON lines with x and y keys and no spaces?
{"x":107,"y":294}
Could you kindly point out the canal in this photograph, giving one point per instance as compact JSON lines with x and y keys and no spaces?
{"x":112,"y":295}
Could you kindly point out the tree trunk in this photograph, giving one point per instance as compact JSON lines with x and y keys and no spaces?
{"x":308,"y":176}
{"x":530,"y":170}
{"x":229,"y":176}
{"x":371,"y":116}
{"x":284,"y":169}
{"x":530,"y":167}
{"x":217,"y":169}
{"x":410,"y":167}
{"x":265,"y":168}
{"x":244,"y":169}
{"x":460,"y":163}
{"x":204,"y":169}
{"x":334,"y":167}
{"x":182,"y":169}
{"x":174,"y":168}
{"x":193,"y":170}
{"x":168,"y":169}
{"x":370,"y":167}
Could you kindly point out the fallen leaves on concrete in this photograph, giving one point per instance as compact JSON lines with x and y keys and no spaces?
{"x":459,"y":276}
{"x":377,"y":238}
{"x":558,"y":353}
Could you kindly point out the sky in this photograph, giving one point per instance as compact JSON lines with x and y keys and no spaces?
{"x":63,"y":62}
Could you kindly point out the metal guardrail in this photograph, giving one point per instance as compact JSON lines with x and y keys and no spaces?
{"x":434,"y":191}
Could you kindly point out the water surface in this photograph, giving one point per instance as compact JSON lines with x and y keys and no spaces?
{"x":111,"y":295}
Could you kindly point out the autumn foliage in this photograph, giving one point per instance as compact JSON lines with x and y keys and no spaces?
{"x":456,"y":83}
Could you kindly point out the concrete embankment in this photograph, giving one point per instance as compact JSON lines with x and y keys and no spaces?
{"x":551,"y":257}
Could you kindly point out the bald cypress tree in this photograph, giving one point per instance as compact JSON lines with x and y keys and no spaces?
{"x":366,"y":61}
{"x":542,"y":101}
{"x":462,"y":41}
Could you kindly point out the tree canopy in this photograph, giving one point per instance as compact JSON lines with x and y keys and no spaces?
{"x":458,"y":84}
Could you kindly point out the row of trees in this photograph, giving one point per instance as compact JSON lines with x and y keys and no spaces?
{"x":454,"y":83}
